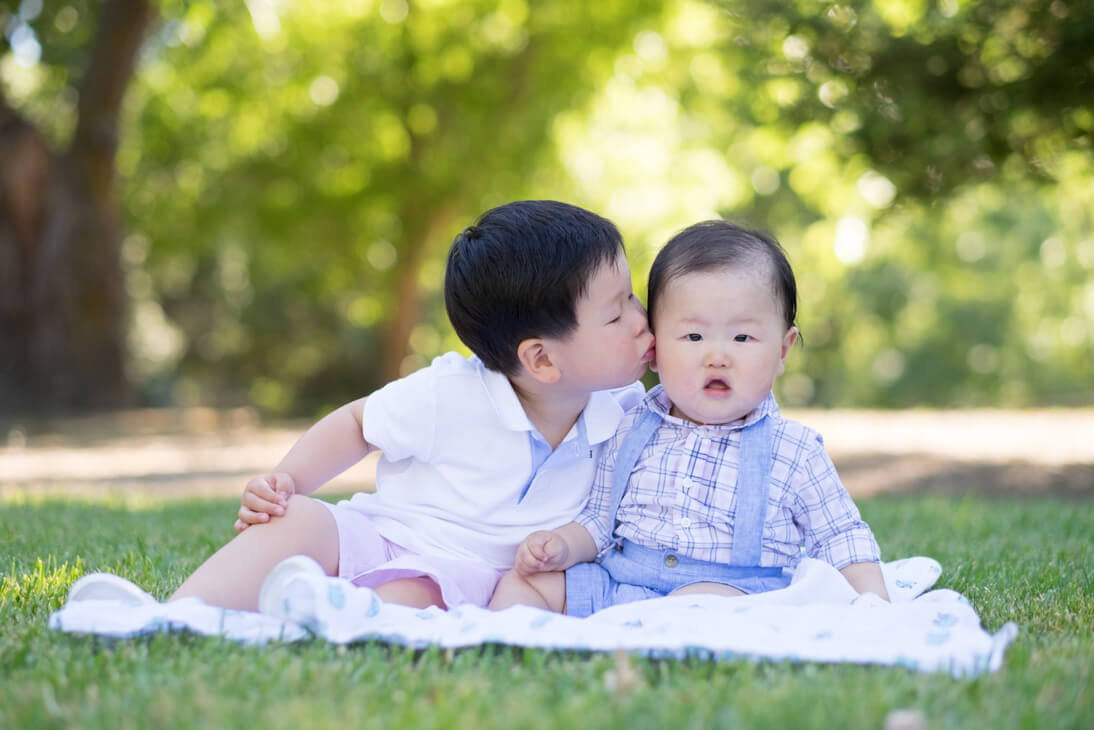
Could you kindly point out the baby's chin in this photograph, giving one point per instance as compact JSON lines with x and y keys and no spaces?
{"x":716,"y":421}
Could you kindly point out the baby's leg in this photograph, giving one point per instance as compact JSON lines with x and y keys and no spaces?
{"x":541,"y":590}
{"x":233,"y":575}
{"x":717,"y":589}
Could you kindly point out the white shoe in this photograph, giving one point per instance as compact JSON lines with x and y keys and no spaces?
{"x":299,"y":590}
{"x":108,"y":587}
{"x":271,"y":595}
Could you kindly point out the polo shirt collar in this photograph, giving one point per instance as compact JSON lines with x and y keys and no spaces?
{"x":601,"y":414}
{"x":505,"y":401}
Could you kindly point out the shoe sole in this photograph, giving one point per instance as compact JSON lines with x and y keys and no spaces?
{"x":107,"y":587}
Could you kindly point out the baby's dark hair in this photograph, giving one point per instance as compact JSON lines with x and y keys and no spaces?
{"x":518,"y":272}
{"x":717,"y":244}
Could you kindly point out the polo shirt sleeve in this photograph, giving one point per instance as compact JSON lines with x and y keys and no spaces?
{"x":827,"y":516}
{"x":400,"y":418}
{"x":596,"y":517}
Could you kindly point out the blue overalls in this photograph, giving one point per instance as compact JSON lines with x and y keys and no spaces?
{"x":632,"y":572}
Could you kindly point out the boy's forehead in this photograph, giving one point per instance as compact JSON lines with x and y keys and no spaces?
{"x":606,"y":279}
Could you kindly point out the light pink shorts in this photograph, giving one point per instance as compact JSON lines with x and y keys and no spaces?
{"x":367,"y":558}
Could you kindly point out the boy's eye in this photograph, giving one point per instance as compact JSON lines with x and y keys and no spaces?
{"x":741,"y":338}
{"x":613,"y":321}
{"x":693,"y":337}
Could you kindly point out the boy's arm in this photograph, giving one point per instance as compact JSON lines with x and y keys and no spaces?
{"x":325,"y":450}
{"x":328,"y":448}
{"x":865,"y":577}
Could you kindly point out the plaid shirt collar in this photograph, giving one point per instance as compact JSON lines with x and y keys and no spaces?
{"x":657,"y":400}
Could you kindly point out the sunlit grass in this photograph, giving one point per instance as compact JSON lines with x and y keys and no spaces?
{"x":1025,"y":561}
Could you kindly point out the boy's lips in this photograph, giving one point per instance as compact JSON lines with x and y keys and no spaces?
{"x":648,"y":357}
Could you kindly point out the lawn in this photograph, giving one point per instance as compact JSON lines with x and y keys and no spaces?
{"x":1025,"y":560}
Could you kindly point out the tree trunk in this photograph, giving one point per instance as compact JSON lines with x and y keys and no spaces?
{"x":408,"y":300}
{"x":62,"y":294}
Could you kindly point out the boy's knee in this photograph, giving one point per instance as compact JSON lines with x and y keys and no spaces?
{"x":302,"y":512}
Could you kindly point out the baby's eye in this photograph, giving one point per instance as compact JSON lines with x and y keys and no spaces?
{"x":693,"y":337}
{"x":742,"y":338}
{"x":613,"y":321}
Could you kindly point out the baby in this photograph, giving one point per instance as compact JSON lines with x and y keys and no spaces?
{"x":704,"y":488}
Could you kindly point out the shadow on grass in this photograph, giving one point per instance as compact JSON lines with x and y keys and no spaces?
{"x":913,"y":474}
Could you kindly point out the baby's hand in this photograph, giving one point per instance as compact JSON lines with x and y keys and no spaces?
{"x":541,"y":552}
{"x":264,"y":497}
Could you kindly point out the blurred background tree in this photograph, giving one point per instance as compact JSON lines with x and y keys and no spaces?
{"x":293,"y":171}
{"x":62,"y":300}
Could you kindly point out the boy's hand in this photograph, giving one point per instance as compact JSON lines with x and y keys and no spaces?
{"x":541,"y":552}
{"x":264,"y":497}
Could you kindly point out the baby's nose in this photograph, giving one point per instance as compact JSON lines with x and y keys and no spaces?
{"x":717,"y":358}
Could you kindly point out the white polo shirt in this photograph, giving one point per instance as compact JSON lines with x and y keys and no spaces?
{"x":457,"y":476}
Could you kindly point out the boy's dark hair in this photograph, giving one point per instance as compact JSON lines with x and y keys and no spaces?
{"x":717,"y":244}
{"x":518,"y":273}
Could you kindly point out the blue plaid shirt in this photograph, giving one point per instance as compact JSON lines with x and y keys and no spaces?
{"x":682,"y":493}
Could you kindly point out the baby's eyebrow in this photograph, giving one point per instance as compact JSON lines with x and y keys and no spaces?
{"x":736,"y":322}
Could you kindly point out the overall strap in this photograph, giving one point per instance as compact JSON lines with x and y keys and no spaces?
{"x":753,"y":484}
{"x":627,"y":457}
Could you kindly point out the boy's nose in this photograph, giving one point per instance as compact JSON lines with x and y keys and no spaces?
{"x":642,"y":324}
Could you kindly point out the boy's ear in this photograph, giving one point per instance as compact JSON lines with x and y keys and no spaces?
{"x":535,"y":357}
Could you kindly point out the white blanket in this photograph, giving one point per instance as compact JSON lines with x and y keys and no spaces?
{"x":819,"y":617}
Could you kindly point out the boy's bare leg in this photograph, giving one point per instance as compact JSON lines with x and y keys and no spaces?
{"x":420,"y":592}
{"x":233,"y":575}
{"x":716,"y":589}
{"x":540,"y":590}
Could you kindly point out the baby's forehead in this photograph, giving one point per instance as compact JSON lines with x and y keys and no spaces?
{"x":759,"y":271}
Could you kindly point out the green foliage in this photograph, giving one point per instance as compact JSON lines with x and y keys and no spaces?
{"x":293,"y":174}
{"x":928,"y":173}
{"x":290,"y":184}
{"x":1027,"y":561}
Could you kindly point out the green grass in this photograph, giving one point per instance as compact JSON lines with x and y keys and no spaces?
{"x":1029,"y":561}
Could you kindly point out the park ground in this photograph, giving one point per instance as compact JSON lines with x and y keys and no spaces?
{"x":1002,"y":499}
{"x":203,"y":452}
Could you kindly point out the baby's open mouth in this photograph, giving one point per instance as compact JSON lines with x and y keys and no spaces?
{"x":716,"y":384}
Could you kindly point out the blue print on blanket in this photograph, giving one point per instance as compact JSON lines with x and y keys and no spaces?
{"x":540,"y":621}
{"x":945,"y":620}
{"x":937,"y":638}
{"x":816,"y":619}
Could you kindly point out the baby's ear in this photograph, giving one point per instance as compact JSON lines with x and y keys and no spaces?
{"x":789,"y":339}
{"x":535,"y":358}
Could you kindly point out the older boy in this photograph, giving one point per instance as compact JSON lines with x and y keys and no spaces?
{"x":477,"y":452}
